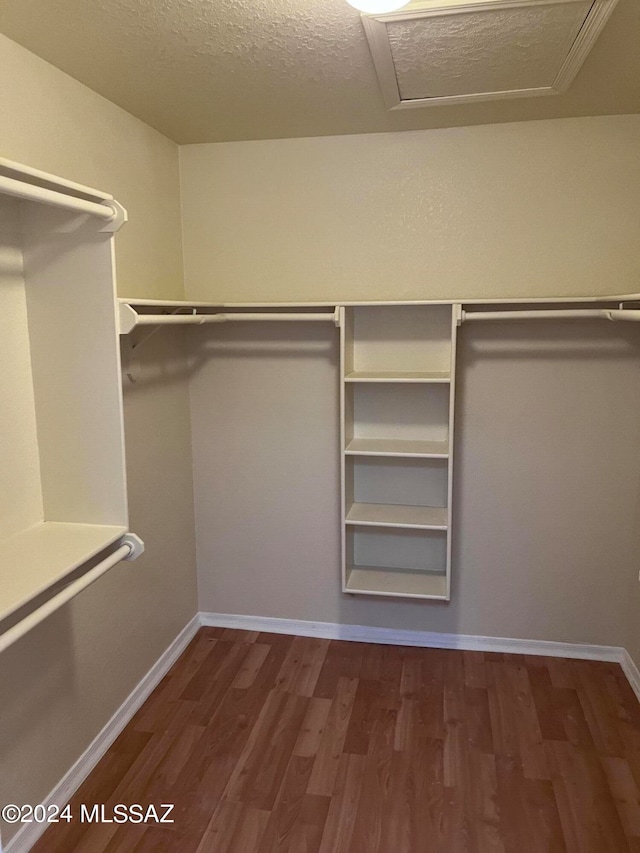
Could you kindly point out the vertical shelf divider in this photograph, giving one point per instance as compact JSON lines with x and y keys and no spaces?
{"x":456,"y":316}
{"x":345,"y":492}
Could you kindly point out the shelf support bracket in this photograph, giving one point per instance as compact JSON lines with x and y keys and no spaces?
{"x":127,"y":319}
{"x":118,"y":219}
{"x":136,"y":546}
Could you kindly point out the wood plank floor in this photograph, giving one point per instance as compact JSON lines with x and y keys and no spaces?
{"x":273,"y":743}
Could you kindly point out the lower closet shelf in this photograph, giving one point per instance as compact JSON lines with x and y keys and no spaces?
{"x":35,"y":560}
{"x":405,"y":583}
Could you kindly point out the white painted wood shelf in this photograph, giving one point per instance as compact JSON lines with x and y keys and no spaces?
{"x":397,"y":447}
{"x":397,"y":583}
{"x":397,"y":406}
{"x":397,"y":515}
{"x":396,"y":376}
{"x":42,"y":556}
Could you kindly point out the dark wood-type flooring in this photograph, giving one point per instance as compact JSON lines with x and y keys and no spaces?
{"x":275,"y":743}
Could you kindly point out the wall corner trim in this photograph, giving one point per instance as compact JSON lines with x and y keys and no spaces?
{"x":631,"y":671}
{"x":29,"y":833}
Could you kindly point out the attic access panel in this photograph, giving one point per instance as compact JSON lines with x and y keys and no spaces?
{"x":434,"y":52}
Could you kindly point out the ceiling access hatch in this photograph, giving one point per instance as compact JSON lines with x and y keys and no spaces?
{"x":433,"y":52}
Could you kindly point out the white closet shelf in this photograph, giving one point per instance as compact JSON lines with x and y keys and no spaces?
{"x":385,"y":303}
{"x":35,"y":560}
{"x":396,"y":376}
{"x":395,"y":515}
{"x":403,"y":583}
{"x":397,"y":447}
{"x":33,"y":185}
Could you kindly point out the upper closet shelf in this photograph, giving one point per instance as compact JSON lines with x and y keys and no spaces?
{"x":54,"y":558}
{"x":28,"y":184}
{"x":130,"y":317}
{"x":46,"y":553}
{"x":157,"y":313}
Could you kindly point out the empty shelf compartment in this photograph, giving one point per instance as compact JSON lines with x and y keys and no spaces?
{"x":400,"y":561}
{"x":417,"y":413}
{"x":392,"y":492}
{"x":402,"y":339}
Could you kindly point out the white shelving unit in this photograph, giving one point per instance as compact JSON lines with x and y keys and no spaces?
{"x":397,"y":414}
{"x":62,"y":467}
{"x":397,"y":396}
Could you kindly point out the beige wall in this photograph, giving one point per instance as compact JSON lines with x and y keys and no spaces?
{"x":63,"y":681}
{"x":546,"y":498}
{"x":22,"y":505}
{"x":528,"y":209}
{"x":54,"y":123}
{"x":547,"y":507}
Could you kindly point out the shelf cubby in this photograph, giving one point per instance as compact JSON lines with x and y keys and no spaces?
{"x":397,"y":413}
{"x":405,"y":339}
{"x":396,"y":562}
{"x":388,"y":492}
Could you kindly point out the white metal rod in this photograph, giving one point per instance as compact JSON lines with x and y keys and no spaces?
{"x":176,"y":319}
{"x":25,"y":625}
{"x":55,"y":180}
{"x":312,"y":318}
{"x":18,"y":189}
{"x":560,"y":314}
{"x":624,"y":314}
{"x":202,"y":319}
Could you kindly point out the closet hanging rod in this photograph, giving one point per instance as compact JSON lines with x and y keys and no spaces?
{"x":131,"y":548}
{"x":110,"y":211}
{"x":567,"y":314}
{"x":129,"y":318}
{"x":201,"y":319}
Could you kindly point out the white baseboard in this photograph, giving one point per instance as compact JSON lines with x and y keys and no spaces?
{"x":29,"y":833}
{"x":427,"y":639}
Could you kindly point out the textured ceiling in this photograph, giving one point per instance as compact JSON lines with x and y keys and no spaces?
{"x":217,"y":70}
{"x":484,"y":51}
